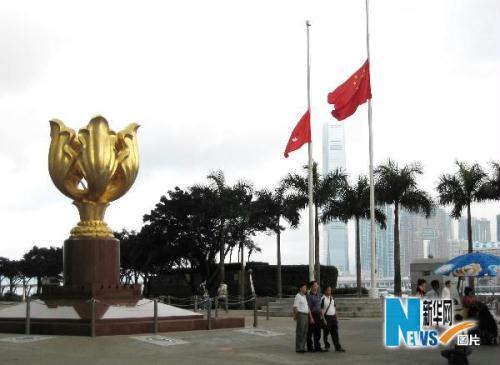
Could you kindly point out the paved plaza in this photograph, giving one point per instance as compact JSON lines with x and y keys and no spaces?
{"x":272,"y":343}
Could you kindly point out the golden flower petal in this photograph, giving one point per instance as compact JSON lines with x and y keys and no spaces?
{"x":98,"y":157}
{"x":63,"y":153}
{"x":128,"y":163}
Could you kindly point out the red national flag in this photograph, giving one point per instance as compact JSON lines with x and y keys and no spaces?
{"x":301,"y":134}
{"x":352,"y":93}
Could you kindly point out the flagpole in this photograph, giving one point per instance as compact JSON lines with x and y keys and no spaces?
{"x":309,"y":167}
{"x":373,"y":268}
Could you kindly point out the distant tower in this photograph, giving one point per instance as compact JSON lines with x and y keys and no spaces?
{"x":336,"y":244}
{"x":498,"y":227}
{"x":481,"y":230}
{"x":384,"y":248}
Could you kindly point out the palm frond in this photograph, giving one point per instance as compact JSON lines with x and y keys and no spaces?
{"x":417,"y":201}
{"x":296,"y":183}
{"x":393,"y":182}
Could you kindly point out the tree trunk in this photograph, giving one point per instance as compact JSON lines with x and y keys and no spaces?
{"x":221,"y":261}
{"x":317,"y":266}
{"x":25,"y":288}
{"x":242,"y":277}
{"x":38,"y":285}
{"x":145,"y":291}
{"x":469,"y":238}
{"x":278,"y":264}
{"x":397,"y":263}
{"x":358,"y":259}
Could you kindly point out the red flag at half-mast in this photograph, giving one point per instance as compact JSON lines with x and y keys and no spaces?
{"x":301,"y":134}
{"x":352,"y":93}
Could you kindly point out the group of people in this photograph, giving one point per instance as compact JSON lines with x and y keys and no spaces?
{"x":486,"y":330}
{"x":435,"y":292}
{"x":315,"y":313}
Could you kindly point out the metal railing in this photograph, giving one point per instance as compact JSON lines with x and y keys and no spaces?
{"x":209,"y":305}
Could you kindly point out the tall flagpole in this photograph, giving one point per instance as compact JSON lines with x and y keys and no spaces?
{"x":373,"y":269}
{"x":309,"y":167}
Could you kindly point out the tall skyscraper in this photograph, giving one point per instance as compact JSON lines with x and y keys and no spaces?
{"x":336,"y":244}
{"x":498,"y":227}
{"x":418,"y":237}
{"x":384,"y":239}
{"x":421,"y":237}
{"x":481,"y":229}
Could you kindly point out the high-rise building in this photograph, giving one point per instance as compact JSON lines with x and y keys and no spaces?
{"x":422,"y":237}
{"x":455,"y":248}
{"x":498,"y":227}
{"x":336,"y":244}
{"x":418,"y":237}
{"x":384,"y":240}
{"x":484,"y":228}
{"x":481,"y":229}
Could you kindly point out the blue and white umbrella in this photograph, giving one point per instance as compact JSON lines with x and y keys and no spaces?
{"x":471,"y":264}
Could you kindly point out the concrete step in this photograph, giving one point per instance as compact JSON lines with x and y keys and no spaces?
{"x":341,"y":308}
{"x":355,"y":314}
{"x":351,"y":307}
{"x":262,"y":313}
{"x":351,"y":314}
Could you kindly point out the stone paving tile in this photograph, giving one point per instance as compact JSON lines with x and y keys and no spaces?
{"x":361,"y":338}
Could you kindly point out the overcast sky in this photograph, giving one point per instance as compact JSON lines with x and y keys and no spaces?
{"x":221,"y":84}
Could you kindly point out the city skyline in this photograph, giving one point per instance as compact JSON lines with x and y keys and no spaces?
{"x":384,"y":245}
{"x":220,"y":93}
{"x":419,"y":238}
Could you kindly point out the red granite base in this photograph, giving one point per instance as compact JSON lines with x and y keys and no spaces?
{"x":112,"y":317}
{"x":117,"y":292}
{"x":124,"y":326}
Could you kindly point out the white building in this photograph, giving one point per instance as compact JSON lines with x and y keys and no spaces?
{"x":335,"y":242}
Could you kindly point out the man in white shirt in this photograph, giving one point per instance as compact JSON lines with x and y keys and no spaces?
{"x":301,"y":314}
{"x":446,"y":293}
{"x":435,"y":292}
{"x":330,"y":320}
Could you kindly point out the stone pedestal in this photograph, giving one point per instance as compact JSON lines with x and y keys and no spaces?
{"x":92,"y":270}
{"x":91,"y":261}
{"x":74,"y":317}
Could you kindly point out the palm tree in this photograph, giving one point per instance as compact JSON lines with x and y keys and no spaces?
{"x":272,"y":206}
{"x":230,"y":203}
{"x":324,"y":188}
{"x":398,"y":186}
{"x":467,"y":185}
{"x":353,"y":203}
{"x":494,"y":181}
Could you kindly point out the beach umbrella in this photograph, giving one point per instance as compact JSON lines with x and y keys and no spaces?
{"x":474,"y":264}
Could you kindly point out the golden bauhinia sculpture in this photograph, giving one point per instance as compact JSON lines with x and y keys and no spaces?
{"x":93,"y":167}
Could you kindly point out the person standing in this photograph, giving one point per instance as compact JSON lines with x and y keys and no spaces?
{"x":421,"y":288}
{"x":301,"y":316}
{"x":435,"y":292}
{"x":222,"y":296}
{"x":446,"y":293}
{"x":315,"y":319}
{"x":329,"y":312}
